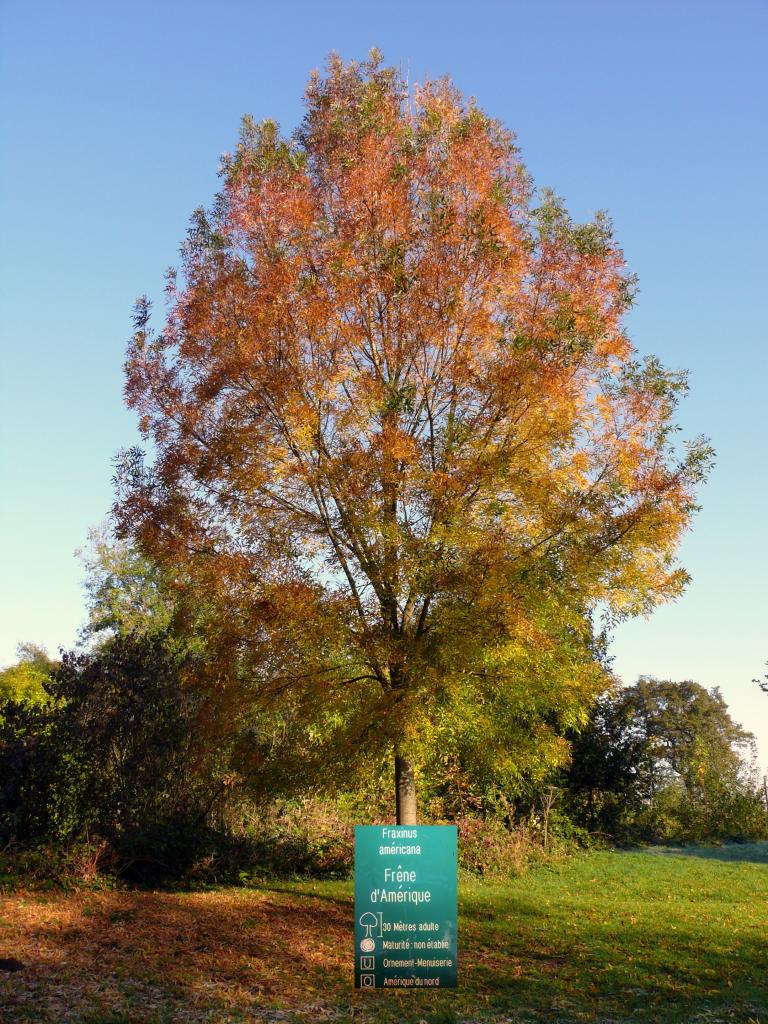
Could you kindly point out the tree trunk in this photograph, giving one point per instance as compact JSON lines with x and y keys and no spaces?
{"x":405,"y":791}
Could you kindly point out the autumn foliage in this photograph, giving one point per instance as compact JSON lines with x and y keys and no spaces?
{"x":402,"y":442}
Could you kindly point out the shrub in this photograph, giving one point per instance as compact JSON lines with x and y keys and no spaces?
{"x":488,"y":848}
{"x":720,"y":813}
{"x":87,"y":862}
{"x":119,"y":750}
{"x":41,"y":781}
{"x":292,"y":837}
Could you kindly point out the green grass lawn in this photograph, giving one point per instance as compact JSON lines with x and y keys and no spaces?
{"x":668,"y":936}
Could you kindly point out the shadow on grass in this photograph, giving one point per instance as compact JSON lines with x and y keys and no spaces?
{"x":154,"y":957}
{"x":345,"y":903}
{"x":753,"y":853}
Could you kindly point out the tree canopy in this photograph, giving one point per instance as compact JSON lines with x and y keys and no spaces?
{"x":401,"y":438}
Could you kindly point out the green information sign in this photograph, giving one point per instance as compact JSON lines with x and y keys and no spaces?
{"x":406,"y":906}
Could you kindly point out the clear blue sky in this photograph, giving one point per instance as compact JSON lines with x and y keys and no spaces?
{"x":113,"y":119}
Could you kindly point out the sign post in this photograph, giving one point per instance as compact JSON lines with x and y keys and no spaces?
{"x":406,"y":906}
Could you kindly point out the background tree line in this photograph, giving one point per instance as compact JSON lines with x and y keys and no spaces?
{"x":138,"y":745}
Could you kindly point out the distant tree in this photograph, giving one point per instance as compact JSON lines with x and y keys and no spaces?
{"x":125,"y":591}
{"x":24,"y":680}
{"x":402,"y":440}
{"x":687,"y":733}
{"x":661,"y":748}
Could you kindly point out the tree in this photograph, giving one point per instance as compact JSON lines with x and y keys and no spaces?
{"x":687,"y":734}
{"x":125,"y":591}
{"x":604,"y":780}
{"x":664,"y":756}
{"x":400,"y":434}
{"x":24,"y":680}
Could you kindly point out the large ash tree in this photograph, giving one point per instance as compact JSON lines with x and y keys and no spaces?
{"x":400,"y":437}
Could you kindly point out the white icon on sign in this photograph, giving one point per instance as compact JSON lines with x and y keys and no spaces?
{"x":368,"y":980}
{"x":367,"y":963}
{"x":368,"y":921}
